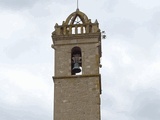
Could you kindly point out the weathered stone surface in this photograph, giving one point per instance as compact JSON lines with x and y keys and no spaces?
{"x":90,"y":59}
{"x":77,"y":97}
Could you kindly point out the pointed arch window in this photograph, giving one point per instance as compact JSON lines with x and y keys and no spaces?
{"x":78,"y":20}
{"x":75,"y":20}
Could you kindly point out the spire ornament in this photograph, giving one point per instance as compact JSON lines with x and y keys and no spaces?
{"x":77,"y":5}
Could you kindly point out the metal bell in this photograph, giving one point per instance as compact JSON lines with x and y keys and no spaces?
{"x":76,"y":68}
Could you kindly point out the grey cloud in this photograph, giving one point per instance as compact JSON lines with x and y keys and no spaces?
{"x":109,"y":5}
{"x":28,"y":112}
{"x":19,"y":104}
{"x":19,"y":4}
{"x":22,"y":4}
{"x":16,"y":4}
{"x":122,"y":27}
{"x":20,"y":47}
{"x":146,"y":105}
{"x":64,"y":2}
{"x":29,"y":50}
{"x":154,"y":24}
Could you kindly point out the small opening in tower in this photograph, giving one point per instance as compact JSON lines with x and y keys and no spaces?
{"x":79,"y":30}
{"x":78,"y":20}
{"x":84,"y":30}
{"x":73,"y":30}
{"x":76,"y":61}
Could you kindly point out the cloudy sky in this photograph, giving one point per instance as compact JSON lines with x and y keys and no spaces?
{"x":131,"y":57}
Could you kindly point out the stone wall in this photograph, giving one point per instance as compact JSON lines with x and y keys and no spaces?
{"x":77,"y":98}
{"x":90,"y":56}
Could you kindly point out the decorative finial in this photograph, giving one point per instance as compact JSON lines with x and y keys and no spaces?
{"x":77,"y":5}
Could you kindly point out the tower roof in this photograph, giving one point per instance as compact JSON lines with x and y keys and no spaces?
{"x":77,"y":23}
{"x":77,"y":14}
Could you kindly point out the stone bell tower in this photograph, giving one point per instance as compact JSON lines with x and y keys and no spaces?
{"x":77,"y":81}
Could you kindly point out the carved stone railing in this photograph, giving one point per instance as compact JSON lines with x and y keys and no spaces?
{"x":76,"y":29}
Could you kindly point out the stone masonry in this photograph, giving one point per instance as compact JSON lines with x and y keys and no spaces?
{"x":77,"y":97}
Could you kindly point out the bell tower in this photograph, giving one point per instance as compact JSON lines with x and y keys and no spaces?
{"x":77,"y":81}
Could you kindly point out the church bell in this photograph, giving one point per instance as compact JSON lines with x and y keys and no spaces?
{"x":76,"y":66}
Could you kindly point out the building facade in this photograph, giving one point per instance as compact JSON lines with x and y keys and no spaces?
{"x":77,"y":79}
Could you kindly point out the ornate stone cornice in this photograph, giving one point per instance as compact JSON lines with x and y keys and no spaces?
{"x":76,"y":36}
{"x":76,"y":76}
{"x":79,"y":76}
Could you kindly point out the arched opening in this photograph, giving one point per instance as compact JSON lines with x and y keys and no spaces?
{"x":77,"y":20}
{"x":77,"y":23}
{"x":76,"y":61}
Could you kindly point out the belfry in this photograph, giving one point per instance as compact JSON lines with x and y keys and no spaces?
{"x":77,"y":79}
